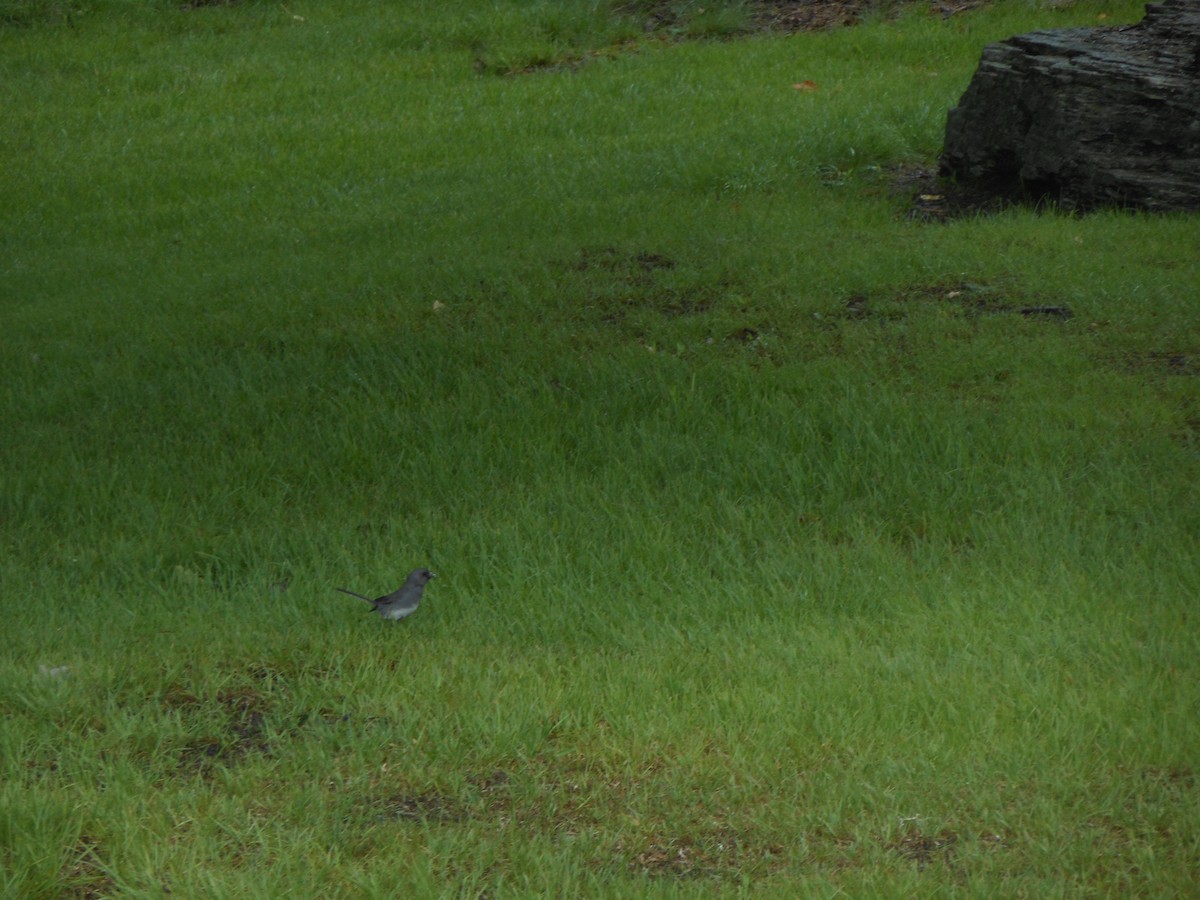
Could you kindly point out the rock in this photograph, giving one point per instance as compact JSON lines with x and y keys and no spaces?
{"x":1087,"y":117}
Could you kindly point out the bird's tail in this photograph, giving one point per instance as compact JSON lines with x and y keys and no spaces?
{"x":352,"y":594}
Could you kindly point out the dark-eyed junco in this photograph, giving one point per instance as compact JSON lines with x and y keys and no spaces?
{"x":402,"y":602}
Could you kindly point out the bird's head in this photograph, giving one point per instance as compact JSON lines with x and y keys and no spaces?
{"x":420,"y":576}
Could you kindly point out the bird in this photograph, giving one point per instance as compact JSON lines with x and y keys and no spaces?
{"x":401,"y":602}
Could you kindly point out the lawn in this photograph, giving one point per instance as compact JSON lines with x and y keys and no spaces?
{"x":784,"y":547}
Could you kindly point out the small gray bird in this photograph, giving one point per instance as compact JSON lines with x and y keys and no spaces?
{"x":401,"y":602}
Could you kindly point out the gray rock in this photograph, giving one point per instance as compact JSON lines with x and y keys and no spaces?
{"x":1087,"y":116}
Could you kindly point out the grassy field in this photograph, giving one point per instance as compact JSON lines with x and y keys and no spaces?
{"x":779,"y":552}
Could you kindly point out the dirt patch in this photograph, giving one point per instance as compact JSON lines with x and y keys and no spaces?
{"x":639,"y":280}
{"x":1166,"y":371}
{"x":85,"y":875}
{"x":1180,"y":781}
{"x":1173,"y":363}
{"x":563,"y":62}
{"x":428,"y":807}
{"x":817,"y":15}
{"x":563,"y":796}
{"x":971,"y":299}
{"x":720,"y":854}
{"x":244,"y":733}
{"x":794,"y":15}
{"x":681,"y":20}
{"x":240,"y":711}
{"x":252,"y":726}
{"x":631,"y":267}
{"x":926,"y":850}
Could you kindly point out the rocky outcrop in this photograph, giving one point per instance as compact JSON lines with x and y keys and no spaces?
{"x":1087,"y":117}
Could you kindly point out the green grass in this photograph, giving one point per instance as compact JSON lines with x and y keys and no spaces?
{"x":779,"y":552}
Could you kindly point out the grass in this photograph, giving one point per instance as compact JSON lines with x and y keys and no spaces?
{"x":780,"y":552}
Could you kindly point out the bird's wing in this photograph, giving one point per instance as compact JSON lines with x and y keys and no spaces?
{"x":353,"y":594}
{"x":409,"y":595}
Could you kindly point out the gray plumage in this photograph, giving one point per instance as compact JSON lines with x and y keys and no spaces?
{"x":401,"y":602}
